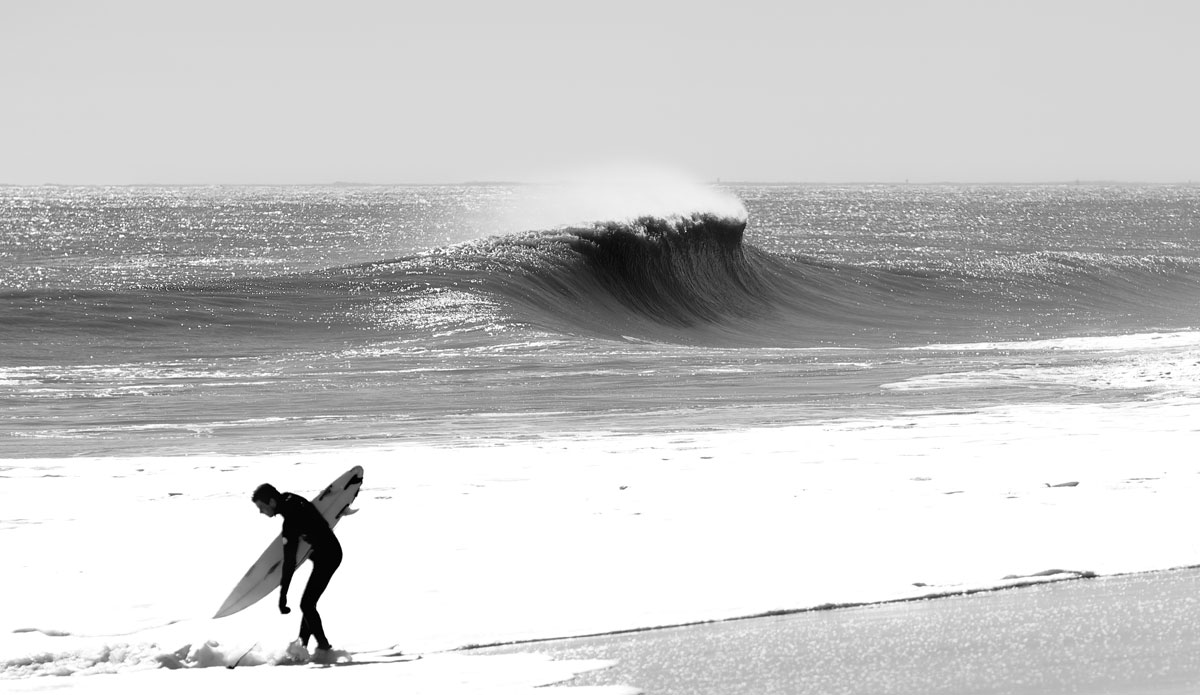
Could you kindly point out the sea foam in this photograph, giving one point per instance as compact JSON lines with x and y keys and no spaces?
{"x":617,"y":193}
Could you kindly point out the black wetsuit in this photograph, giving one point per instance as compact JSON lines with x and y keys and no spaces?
{"x":301,"y":520}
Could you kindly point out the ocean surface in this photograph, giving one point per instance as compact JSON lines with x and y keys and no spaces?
{"x":181,"y":320}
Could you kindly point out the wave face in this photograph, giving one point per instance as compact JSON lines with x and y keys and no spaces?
{"x":684,"y":279}
{"x":693,"y":280}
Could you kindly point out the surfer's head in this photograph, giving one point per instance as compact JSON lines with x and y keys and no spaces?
{"x":267,"y":499}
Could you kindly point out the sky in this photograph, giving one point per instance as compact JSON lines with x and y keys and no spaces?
{"x":406,"y":91}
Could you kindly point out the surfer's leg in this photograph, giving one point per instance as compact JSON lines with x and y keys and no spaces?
{"x":322,"y":572}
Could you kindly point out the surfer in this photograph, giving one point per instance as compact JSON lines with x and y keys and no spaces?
{"x":301,"y":520}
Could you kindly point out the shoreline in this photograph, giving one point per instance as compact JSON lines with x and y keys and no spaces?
{"x":1126,"y":634}
{"x":563,"y":657}
{"x":1024,"y":582}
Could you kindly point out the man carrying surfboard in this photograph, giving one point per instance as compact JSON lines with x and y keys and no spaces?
{"x":302,"y":520}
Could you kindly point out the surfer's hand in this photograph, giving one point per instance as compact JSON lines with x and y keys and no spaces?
{"x":283,"y":607}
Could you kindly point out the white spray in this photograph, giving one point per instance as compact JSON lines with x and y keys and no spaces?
{"x":616,"y":193}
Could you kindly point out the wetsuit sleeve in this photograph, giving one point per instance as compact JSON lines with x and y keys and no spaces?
{"x":291,"y":541}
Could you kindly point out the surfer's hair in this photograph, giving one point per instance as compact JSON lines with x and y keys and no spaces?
{"x":265,"y":493}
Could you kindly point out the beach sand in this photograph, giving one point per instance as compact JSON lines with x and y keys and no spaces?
{"x":435,"y":674}
{"x":1125,"y":634}
{"x":116,"y":562}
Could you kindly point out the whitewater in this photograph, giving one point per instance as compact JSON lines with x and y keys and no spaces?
{"x":721,"y":403}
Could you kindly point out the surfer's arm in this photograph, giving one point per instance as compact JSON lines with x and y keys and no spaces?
{"x":287,"y":569}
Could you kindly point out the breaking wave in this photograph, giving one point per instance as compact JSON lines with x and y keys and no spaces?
{"x":688,"y":279}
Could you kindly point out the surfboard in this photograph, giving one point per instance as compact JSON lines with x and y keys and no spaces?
{"x":264,"y":575}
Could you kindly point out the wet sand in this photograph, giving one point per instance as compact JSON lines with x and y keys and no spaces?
{"x":1137,"y":633}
